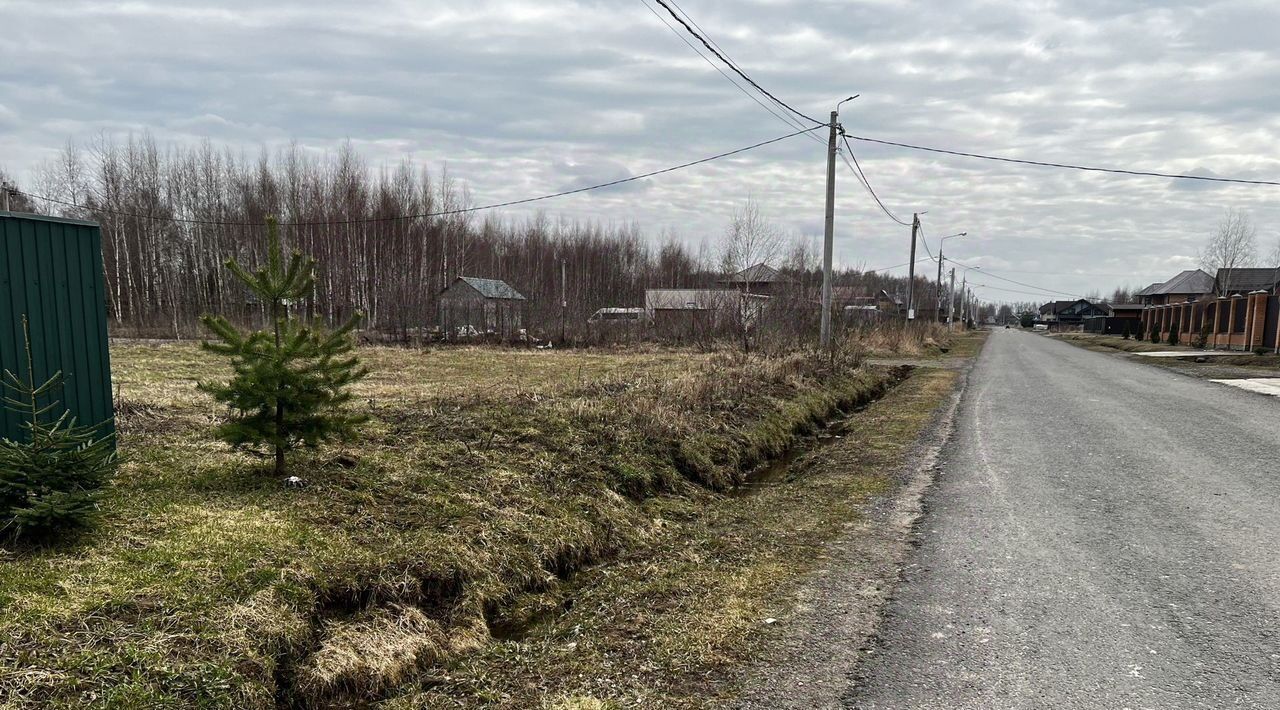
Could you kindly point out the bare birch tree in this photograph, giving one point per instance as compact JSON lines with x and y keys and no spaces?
{"x":1232,"y":246}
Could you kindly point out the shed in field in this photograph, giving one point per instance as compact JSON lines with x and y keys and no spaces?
{"x":51,"y":273}
{"x":759,"y":279}
{"x":471,"y":306}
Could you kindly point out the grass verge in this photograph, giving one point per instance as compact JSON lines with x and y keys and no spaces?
{"x":1105,"y":343}
{"x":667,"y":623}
{"x":485,"y":483}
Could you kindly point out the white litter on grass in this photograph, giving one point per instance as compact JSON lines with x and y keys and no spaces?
{"x":1191,"y":353}
{"x":1261,"y":385}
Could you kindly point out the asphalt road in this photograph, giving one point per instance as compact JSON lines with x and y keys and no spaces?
{"x":1101,"y":534}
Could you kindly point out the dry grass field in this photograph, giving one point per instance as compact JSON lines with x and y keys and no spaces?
{"x":453,"y":555}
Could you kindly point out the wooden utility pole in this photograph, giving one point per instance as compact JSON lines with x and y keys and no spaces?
{"x":911,"y":269}
{"x":564,"y":299}
{"x":828,"y":236}
{"x":964,"y":286}
{"x":951,"y":300}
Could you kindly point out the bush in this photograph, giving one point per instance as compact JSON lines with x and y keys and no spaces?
{"x":52,"y":481}
{"x":1125,"y":335}
{"x":1155,"y":332}
{"x":1201,"y":341}
{"x":1173,"y":335}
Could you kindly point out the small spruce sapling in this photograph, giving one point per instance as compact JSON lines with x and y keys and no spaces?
{"x":291,"y":384}
{"x":1125,"y":336}
{"x":52,"y":481}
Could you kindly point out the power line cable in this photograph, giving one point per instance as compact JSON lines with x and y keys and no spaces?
{"x":731,"y":65}
{"x":1069,"y":166}
{"x":789,"y":121}
{"x":857,"y":168}
{"x":443,"y":213}
{"x":994,"y":275}
{"x":1009,"y":290}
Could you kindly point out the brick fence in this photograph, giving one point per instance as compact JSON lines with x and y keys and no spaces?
{"x":1239,"y":322}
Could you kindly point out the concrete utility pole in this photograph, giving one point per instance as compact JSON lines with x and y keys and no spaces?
{"x":828,"y":237}
{"x":937,"y":290}
{"x":4,"y":199}
{"x":951,"y":300}
{"x":964,"y":281}
{"x":564,"y":299}
{"x":911,"y":269}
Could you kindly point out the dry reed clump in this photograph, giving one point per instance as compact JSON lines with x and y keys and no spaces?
{"x":377,"y":648}
{"x":895,"y":338}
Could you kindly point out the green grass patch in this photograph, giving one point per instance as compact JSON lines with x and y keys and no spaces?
{"x":485,"y":483}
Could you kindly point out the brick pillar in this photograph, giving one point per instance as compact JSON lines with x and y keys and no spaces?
{"x":1237,"y":302}
{"x":1257,"y":320}
{"x":1218,"y":304}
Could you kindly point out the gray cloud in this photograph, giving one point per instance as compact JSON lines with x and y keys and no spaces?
{"x":521,"y":97}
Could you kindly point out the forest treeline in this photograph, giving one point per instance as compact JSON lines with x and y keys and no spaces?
{"x":163,"y":273}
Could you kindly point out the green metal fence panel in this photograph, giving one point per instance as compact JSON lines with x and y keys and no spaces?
{"x":51,"y":273}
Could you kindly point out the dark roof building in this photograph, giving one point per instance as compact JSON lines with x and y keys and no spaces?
{"x":1229,"y":281}
{"x":1071,"y":311}
{"x":1148,"y":290}
{"x":490,"y":288}
{"x":1189,"y":285}
{"x":470,"y":306}
{"x":760,"y":279}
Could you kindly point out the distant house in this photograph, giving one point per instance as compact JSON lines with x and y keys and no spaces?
{"x":1069,"y":313}
{"x":1144,"y":296}
{"x":1122,"y":318}
{"x":1244,"y":281}
{"x":887,"y":303}
{"x":472,"y":306}
{"x":760,"y":279}
{"x":692,"y":311}
{"x":1190,"y":285}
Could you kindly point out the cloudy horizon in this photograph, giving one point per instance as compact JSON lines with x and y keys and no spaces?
{"x":518,"y":98}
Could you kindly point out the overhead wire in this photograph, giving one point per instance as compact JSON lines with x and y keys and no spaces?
{"x":425,"y":215}
{"x":1001,"y":288}
{"x":688,"y":28}
{"x":994,"y":275}
{"x":1068,"y":166}
{"x":862,"y":177}
{"x":788,"y":120}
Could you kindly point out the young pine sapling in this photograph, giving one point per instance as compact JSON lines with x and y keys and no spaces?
{"x":290,"y":384}
{"x":51,"y":481}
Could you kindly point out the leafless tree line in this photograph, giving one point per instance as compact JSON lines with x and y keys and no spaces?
{"x":173,"y":216}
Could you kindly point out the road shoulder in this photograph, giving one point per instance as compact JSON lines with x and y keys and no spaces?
{"x":813,"y":659}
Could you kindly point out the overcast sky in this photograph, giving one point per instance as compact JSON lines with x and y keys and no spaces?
{"x":523,"y":97}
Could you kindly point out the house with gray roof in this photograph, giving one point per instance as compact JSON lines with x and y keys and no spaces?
{"x":473,"y":307}
{"x":1245,"y":281}
{"x":1190,"y":285}
{"x":760,"y":279}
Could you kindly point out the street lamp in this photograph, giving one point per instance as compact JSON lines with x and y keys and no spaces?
{"x":938,"y":289}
